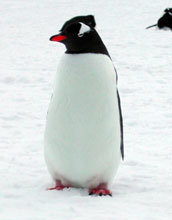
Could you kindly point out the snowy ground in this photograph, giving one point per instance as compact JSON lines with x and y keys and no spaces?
{"x":142,"y":188}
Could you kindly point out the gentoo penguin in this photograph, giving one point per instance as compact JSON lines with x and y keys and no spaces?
{"x":84,"y":131}
{"x":165,"y":21}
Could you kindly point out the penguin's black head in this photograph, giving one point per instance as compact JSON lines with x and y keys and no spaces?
{"x":168,"y":10}
{"x":79,"y":37}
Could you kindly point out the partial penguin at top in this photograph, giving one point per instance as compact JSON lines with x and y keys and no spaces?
{"x":165,"y":22}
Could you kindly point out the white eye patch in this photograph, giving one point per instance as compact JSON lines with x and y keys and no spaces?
{"x":84,"y":28}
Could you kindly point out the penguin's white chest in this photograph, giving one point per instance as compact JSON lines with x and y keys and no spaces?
{"x":82,"y":135}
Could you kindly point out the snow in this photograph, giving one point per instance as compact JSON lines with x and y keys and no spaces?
{"x":142,"y":188}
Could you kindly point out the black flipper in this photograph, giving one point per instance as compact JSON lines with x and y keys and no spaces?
{"x":120,"y":117}
{"x":154,"y":25}
{"x":121,"y":127}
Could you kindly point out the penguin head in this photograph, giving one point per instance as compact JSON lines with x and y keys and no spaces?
{"x":80,"y":37}
{"x":168,"y":10}
{"x":76,"y":37}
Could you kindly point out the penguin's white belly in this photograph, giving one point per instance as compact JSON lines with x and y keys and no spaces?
{"x":82,"y":135}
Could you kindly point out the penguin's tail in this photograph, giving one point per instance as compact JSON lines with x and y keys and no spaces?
{"x":154,"y":25}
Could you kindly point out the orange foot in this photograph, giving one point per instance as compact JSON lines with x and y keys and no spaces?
{"x":58,"y":186}
{"x":100,"y":190}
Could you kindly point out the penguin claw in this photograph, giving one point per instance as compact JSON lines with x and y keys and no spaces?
{"x":59,"y":186}
{"x":100,"y":192}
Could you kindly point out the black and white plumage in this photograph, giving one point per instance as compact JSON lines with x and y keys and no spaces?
{"x":84,"y":131}
{"x":165,"y":21}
